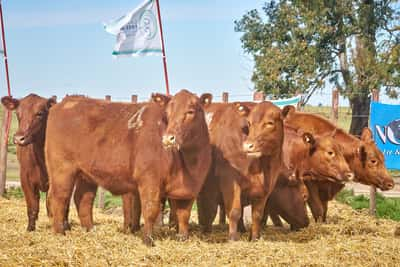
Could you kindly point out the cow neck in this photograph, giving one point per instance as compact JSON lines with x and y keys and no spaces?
{"x":191,"y":157}
{"x":350,"y":147}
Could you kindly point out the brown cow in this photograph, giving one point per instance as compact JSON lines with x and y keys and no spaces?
{"x":244,"y":171}
{"x":362,"y":155}
{"x":32,"y":113}
{"x":288,"y":200}
{"x":126,"y":148}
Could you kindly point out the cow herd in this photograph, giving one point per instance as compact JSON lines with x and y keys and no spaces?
{"x":182,"y":149}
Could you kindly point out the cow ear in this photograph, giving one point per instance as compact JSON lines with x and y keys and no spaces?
{"x":287,"y":110}
{"x":9,"y":102}
{"x":51,"y":102}
{"x":242,"y":109}
{"x":366,"y":135}
{"x":334,"y":132}
{"x":206,"y":99}
{"x":160,"y":99}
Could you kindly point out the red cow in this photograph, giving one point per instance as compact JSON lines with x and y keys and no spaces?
{"x":126,"y":148}
{"x":32,"y":113}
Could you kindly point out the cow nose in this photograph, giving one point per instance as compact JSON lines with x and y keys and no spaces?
{"x":169,"y":140}
{"x":349,"y":176}
{"x":389,"y":185}
{"x":248,"y":147}
{"x":19,"y":139}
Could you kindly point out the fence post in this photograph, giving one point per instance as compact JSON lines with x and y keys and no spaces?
{"x":3,"y":151}
{"x":335,"y":106}
{"x":134,"y":98}
{"x":372,"y":188}
{"x":225,"y":97}
{"x":101,"y":199}
{"x":258,"y":96}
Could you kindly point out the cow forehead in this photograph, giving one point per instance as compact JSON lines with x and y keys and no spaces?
{"x":32,"y":103}
{"x":264,"y":111}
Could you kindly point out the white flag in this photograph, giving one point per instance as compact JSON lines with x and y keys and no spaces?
{"x":138,"y":32}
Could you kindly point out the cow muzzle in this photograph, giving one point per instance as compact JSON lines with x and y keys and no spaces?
{"x":169,"y":141}
{"x":20,"y":140}
{"x":250,"y":149}
{"x":349,"y":176}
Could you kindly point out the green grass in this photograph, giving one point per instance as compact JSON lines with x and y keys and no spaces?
{"x":388,"y":208}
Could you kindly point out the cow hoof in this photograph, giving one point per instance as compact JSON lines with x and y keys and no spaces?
{"x":148,"y":241}
{"x":182,"y":237}
{"x":234,"y":237}
{"x":30,"y":228}
{"x":67,"y":226}
{"x":254,"y":238}
{"x":241,"y":228}
{"x":206,"y":229}
{"x":135,"y":228}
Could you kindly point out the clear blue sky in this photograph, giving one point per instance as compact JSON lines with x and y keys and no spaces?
{"x":60,"y":47}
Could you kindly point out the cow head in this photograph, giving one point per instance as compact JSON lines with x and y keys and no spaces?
{"x":326,"y":160}
{"x":265,"y":126}
{"x":32,"y":112}
{"x":289,"y":198}
{"x":371,"y":169}
{"x":186,"y":125}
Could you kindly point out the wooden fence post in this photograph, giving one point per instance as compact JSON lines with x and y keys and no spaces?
{"x":101,"y":198}
{"x":3,"y":151}
{"x":134,"y":98}
{"x":335,"y":106}
{"x":258,"y":96}
{"x":225,"y":97}
{"x":372,"y":189}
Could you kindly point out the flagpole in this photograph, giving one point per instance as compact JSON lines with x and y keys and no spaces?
{"x":163,"y":47}
{"x":4,"y":49}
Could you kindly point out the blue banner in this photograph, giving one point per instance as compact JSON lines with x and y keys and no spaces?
{"x":385,"y":124}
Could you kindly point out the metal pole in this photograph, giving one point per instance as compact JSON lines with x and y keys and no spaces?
{"x":163,"y":47}
{"x":225,"y":97}
{"x":7,"y":115}
{"x":372,"y":189}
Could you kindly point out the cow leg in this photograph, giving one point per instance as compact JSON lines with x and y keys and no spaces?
{"x":60,"y":194}
{"x":132,"y":210}
{"x":173,"y":221}
{"x":314,"y":202}
{"x":257,"y":211}
{"x":222,"y":214}
{"x":182,"y":209}
{"x":241,"y":227}
{"x":150,"y":204}
{"x":232,"y":200}
{"x":325,"y":210}
{"x":85,"y":193}
{"x":207,"y":205}
{"x":276,"y":220}
{"x":32,"y":197}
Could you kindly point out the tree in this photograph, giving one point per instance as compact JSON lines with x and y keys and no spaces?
{"x":306,"y":45}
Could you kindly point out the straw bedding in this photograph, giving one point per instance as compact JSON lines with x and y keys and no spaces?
{"x":350,"y":238}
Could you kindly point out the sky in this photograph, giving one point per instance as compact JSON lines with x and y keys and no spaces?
{"x":61,"y":47}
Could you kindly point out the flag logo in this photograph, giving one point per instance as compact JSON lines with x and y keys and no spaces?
{"x":148,"y":24}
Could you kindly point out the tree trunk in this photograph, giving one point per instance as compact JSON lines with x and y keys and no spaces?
{"x":360,"y":106}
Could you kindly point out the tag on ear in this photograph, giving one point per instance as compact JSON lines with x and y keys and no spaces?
{"x":206,"y":99}
{"x":366,"y":135}
{"x":242,"y":109}
{"x":9,"y":102}
{"x":308,"y":138}
{"x":287,"y":111}
{"x":160,"y":99}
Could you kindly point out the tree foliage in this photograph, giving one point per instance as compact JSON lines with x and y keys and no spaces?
{"x":303,"y":46}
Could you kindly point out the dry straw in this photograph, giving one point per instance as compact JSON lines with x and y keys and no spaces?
{"x":350,"y":238}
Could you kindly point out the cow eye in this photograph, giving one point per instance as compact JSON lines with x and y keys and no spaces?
{"x":40,"y":114}
{"x":190,"y":112}
{"x":331,"y":153}
{"x":374,"y":161}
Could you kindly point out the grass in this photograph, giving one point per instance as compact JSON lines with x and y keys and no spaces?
{"x":386,"y":207}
